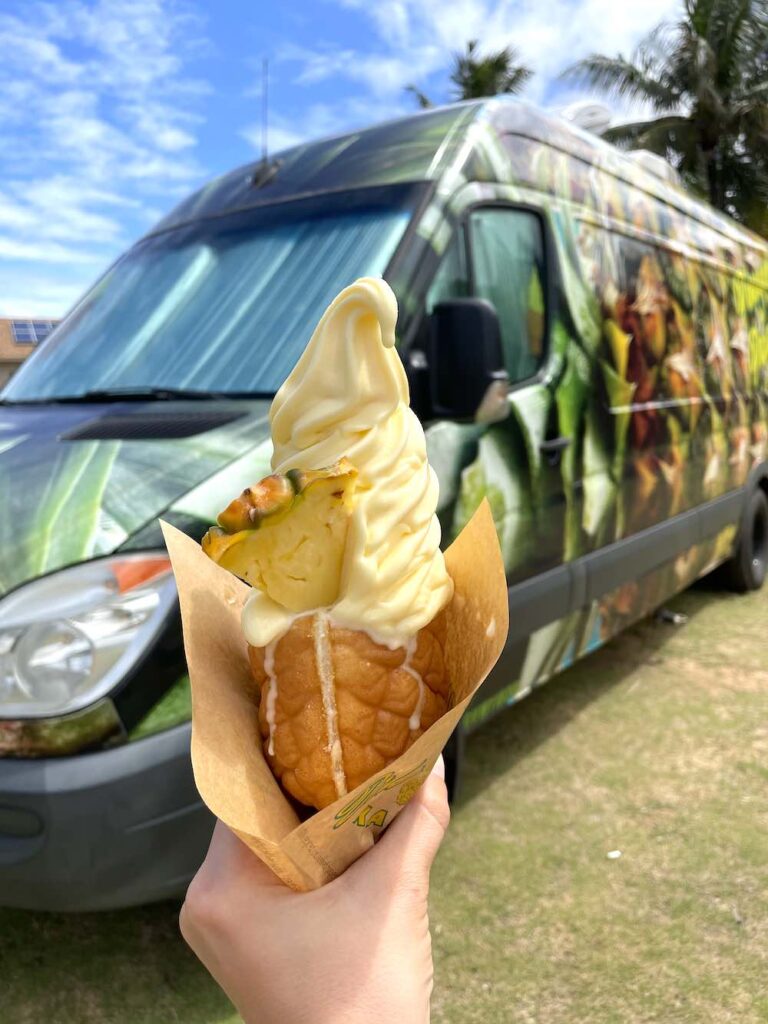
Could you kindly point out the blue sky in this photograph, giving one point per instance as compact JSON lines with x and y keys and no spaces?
{"x":112,"y":110}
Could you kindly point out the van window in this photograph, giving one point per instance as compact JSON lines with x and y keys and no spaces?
{"x":221,"y":304}
{"x":508,"y":269}
{"x":452,"y":279}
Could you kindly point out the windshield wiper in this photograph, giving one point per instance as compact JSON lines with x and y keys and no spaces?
{"x":153,"y":394}
{"x":140,"y":394}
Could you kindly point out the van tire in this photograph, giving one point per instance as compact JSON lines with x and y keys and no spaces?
{"x":748,"y":567}
{"x":453,"y":756}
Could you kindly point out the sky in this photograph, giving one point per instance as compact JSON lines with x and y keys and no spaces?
{"x":111,"y":111}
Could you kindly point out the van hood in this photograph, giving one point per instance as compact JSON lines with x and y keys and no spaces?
{"x":80,"y":481}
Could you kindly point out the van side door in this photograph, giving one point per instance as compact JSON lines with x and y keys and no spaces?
{"x":509,"y":454}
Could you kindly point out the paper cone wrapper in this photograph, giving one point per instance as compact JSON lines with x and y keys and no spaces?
{"x":231,"y":772}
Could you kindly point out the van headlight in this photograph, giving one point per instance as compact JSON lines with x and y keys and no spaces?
{"x":69,"y":638}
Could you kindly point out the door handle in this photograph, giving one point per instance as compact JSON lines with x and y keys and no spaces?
{"x":556,"y":444}
{"x":554,"y":448}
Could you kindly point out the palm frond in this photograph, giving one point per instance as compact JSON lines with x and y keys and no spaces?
{"x":623,"y":79}
{"x":514,"y":80}
{"x":706,"y":75}
{"x":733,"y":42}
{"x":640,"y":134}
{"x":497,"y":72}
{"x":421,"y":97}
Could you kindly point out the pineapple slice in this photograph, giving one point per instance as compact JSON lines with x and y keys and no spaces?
{"x":286,"y":535}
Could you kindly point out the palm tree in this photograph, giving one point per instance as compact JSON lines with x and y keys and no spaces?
{"x":474,"y":76}
{"x":421,"y":97}
{"x":705,"y":80}
{"x":498,"y":72}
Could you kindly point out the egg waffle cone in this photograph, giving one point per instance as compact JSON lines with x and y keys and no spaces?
{"x":335,"y":706}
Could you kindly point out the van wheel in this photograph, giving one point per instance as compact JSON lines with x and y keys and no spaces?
{"x":453,"y":755}
{"x":747,"y":569}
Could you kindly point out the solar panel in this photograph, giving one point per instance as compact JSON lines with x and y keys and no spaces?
{"x":23,"y":331}
{"x":31,"y":332}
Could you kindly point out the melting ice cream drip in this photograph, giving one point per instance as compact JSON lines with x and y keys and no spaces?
{"x":324,"y":664}
{"x":269,"y":668}
{"x":414,"y":721}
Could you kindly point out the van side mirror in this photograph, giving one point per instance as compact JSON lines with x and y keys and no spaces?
{"x":465,"y":356}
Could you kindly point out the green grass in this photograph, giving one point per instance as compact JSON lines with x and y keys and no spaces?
{"x":173,"y":708}
{"x":117,"y":968}
{"x":656,"y":746}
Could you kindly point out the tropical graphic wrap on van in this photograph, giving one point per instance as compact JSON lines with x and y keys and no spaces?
{"x":633,"y":326}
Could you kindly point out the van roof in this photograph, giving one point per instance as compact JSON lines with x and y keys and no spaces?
{"x":416,"y":148}
{"x":427,"y":146}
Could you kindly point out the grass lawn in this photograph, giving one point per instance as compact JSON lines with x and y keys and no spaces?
{"x":656,"y":746}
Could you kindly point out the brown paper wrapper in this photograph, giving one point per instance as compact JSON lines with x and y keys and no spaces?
{"x":231,"y":773}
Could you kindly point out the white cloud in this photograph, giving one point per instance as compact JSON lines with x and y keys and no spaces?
{"x":322,"y":119}
{"x":43,"y":252}
{"x":99,"y":116}
{"x":382,"y":73}
{"x":62,"y":208}
{"x":316,"y":65}
{"x":100,"y":110}
{"x":38,"y":297}
{"x":414,"y":40}
{"x":161,"y":124}
{"x":281,"y":135}
{"x":314,"y":121}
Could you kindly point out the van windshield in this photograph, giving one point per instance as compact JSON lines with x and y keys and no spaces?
{"x":225,"y":304}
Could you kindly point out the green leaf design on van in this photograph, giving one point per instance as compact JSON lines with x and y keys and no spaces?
{"x":570,"y":398}
{"x":61,"y":509}
{"x":758,"y":357}
{"x":599,"y":488}
{"x":509,"y":495}
{"x":474,"y":488}
{"x":582,"y":301}
{"x":563,"y":180}
{"x":530,"y":410}
{"x":618,"y":343}
{"x":620,"y":393}
{"x":69,"y":508}
{"x":72,"y":528}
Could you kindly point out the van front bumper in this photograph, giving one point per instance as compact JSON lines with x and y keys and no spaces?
{"x":109,"y":829}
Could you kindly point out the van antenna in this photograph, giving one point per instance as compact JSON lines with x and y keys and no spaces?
{"x":263,"y":173}
{"x":264,"y":107}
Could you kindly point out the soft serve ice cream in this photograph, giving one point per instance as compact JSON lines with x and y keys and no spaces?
{"x":347,"y":397}
{"x":342,"y":545}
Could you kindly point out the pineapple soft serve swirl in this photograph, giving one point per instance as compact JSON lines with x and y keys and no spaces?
{"x":348,"y":396}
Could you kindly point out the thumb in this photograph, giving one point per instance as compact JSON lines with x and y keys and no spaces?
{"x":404,"y":854}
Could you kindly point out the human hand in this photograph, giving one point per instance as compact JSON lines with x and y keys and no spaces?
{"x":357,"y":950}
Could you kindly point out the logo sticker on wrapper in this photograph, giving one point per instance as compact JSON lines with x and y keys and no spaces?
{"x":408,"y":789}
{"x":360,"y":810}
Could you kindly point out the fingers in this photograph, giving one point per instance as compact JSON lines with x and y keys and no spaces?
{"x":403,"y":856}
{"x":230,"y":876}
{"x":421,"y":827}
{"x":227,"y":857}
{"x":230,"y":860}
{"x":203,"y":899}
